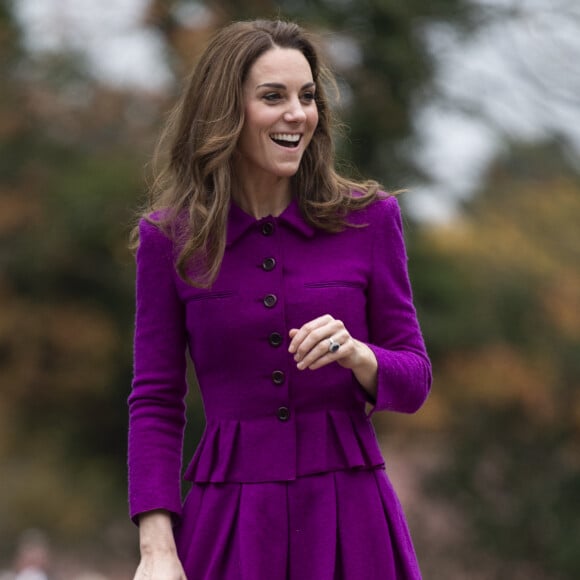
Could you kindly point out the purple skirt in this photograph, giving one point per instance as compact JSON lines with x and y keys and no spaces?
{"x":340,"y":525}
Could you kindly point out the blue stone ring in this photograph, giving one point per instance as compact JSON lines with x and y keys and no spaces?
{"x":333,"y":346}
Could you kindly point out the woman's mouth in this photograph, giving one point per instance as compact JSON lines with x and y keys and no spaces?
{"x":288,"y":140}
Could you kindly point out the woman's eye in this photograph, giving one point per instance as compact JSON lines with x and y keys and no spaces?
{"x":271,"y":97}
{"x":308,"y":97}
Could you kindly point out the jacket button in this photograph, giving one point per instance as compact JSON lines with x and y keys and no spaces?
{"x":269,"y":264}
{"x":268,"y":228}
{"x":270,"y":300}
{"x":275,"y":339}
{"x":278,"y":377}
{"x":283,"y":413}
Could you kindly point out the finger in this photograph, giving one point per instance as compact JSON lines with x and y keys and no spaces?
{"x":293,"y":343}
{"x":320,"y":354}
{"x":317,"y":336}
{"x":327,"y":359}
{"x":310,"y":326}
{"x":298,"y":335}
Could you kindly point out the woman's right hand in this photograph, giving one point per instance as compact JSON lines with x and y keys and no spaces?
{"x":160,"y":567}
{"x":159,"y":560}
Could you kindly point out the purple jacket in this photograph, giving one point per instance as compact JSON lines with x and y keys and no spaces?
{"x":266,"y":420}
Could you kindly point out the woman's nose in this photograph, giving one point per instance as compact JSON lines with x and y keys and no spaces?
{"x":295,"y":112}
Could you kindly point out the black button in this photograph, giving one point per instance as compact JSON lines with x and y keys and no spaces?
{"x":278,"y":377}
{"x":269,"y":264}
{"x":268,"y":228}
{"x":283,"y":413}
{"x":275,"y":339}
{"x":270,"y":300}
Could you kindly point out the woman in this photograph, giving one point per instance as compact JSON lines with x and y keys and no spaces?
{"x":288,"y":285}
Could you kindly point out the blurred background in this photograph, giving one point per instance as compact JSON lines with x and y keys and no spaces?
{"x":473,"y":106}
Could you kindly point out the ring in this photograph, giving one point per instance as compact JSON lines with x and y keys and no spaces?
{"x":333,"y":346}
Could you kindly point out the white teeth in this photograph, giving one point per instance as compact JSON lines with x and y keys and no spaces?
{"x":286,"y":137}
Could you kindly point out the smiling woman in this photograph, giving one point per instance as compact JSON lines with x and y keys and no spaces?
{"x":280,"y":119}
{"x":287,"y":284}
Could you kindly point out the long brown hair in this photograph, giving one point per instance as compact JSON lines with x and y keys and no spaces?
{"x":190,"y":196}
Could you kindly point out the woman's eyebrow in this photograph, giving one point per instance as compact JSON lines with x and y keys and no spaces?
{"x":283,"y":86}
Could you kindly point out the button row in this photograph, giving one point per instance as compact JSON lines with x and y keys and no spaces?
{"x":275,"y":338}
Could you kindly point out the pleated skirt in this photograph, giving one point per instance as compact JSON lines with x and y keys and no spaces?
{"x":340,"y":525}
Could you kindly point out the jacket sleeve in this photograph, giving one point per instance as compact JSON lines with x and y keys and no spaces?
{"x":156,"y":403}
{"x":404,"y":369}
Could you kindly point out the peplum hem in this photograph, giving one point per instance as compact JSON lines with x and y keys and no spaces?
{"x":266,"y":449}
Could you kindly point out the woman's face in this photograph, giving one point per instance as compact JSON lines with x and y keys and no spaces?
{"x":280,"y":114}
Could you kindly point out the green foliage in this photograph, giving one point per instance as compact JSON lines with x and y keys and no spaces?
{"x":510,"y":479}
{"x":444,"y":298}
{"x":513,"y":421}
{"x":67,"y":189}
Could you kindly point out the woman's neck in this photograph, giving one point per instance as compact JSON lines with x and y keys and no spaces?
{"x":261,"y":198}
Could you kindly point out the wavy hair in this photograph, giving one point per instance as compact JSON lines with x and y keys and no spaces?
{"x":193,"y":163}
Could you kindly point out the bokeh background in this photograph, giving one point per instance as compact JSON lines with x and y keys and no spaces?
{"x":473,"y":106}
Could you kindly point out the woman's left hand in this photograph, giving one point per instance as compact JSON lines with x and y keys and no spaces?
{"x":311,"y":346}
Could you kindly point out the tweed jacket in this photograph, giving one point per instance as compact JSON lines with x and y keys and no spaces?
{"x":267,"y":420}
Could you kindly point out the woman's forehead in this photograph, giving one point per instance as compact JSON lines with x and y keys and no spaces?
{"x":280,"y":65}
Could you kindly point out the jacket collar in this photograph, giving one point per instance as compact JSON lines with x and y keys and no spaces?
{"x":239,"y":222}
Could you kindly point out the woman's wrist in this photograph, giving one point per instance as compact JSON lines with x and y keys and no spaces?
{"x":365,"y":369}
{"x":156,"y":533}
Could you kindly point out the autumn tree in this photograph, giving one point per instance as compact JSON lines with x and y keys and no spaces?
{"x":507,"y":365}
